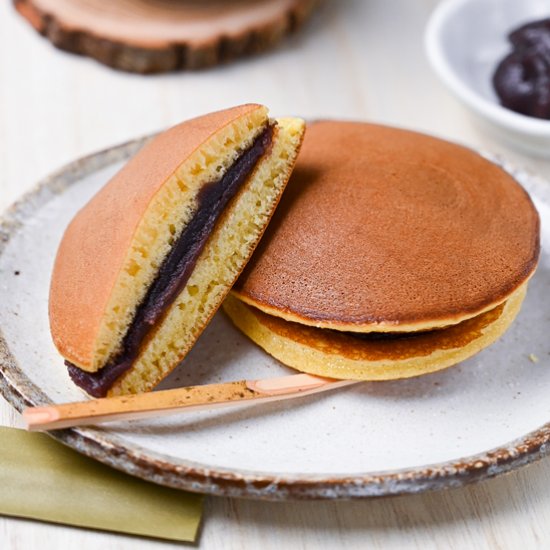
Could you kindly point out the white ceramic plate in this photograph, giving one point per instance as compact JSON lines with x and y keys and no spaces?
{"x":472,"y":421}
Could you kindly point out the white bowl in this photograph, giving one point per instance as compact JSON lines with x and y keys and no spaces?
{"x":465,"y":40}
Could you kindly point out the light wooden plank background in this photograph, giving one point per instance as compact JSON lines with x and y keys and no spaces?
{"x":359,"y":59}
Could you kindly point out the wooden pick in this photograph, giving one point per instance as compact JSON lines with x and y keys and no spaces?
{"x":160,"y":403}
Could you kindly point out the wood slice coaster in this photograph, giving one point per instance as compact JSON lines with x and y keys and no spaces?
{"x":151,"y":36}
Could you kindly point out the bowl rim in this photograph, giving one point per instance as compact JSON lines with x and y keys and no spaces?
{"x":442,"y":15}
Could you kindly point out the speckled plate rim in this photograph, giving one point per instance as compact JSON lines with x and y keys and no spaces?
{"x":159,"y":468}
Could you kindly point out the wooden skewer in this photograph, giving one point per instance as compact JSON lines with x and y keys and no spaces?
{"x":149,"y":405}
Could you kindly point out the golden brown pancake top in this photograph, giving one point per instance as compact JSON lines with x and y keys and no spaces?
{"x":380,"y":226}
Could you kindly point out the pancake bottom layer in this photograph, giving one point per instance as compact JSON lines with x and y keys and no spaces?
{"x":342,"y":355}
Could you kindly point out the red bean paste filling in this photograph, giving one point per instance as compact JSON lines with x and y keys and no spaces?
{"x":522,"y":78}
{"x":383,"y":336}
{"x":176,"y":268}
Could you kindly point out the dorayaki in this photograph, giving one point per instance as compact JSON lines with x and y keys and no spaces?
{"x":392,"y":254}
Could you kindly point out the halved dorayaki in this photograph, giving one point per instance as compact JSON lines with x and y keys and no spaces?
{"x":145,"y":264}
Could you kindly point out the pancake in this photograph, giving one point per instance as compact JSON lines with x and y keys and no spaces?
{"x":146,"y":263}
{"x":346,"y":355}
{"x":387,"y":230}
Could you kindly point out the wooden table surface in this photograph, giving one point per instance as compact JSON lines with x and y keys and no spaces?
{"x":357,"y":59}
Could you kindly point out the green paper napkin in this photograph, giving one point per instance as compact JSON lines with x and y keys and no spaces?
{"x":42,"y":479}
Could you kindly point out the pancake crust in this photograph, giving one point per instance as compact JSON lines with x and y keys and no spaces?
{"x":387,"y":230}
{"x":326,"y":352}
